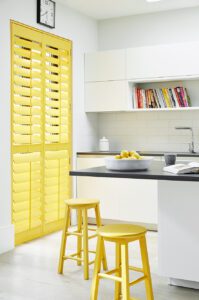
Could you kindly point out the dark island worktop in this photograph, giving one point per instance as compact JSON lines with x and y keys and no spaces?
{"x":155,"y":172}
{"x":146,"y":153}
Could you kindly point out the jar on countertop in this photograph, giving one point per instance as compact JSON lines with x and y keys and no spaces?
{"x":104,"y":144}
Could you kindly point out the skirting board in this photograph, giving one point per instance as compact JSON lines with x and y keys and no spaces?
{"x":151,"y":227}
{"x":6,"y":238}
{"x":184,"y":283}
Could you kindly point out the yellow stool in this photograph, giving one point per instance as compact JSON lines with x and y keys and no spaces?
{"x":122,"y":235}
{"x":82,"y":206}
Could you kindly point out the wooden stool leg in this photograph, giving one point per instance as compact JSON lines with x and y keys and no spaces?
{"x":118,"y":266}
{"x":97,"y":268}
{"x":85,"y":244}
{"x":64,"y":239}
{"x":125,"y":272}
{"x":146,"y":268}
{"x":79,"y":238}
{"x":99,"y":223}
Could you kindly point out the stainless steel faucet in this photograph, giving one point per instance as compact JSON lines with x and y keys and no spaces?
{"x":191,"y":144}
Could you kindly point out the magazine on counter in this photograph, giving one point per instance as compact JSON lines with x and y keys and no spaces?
{"x":192,"y":167}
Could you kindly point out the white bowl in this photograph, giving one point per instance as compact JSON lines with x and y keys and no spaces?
{"x":128,"y":164}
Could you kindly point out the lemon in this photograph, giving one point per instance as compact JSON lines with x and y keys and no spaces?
{"x":124,"y":154}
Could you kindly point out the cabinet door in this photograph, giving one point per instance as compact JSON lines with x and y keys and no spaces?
{"x":177,"y":60}
{"x":105,"y":96}
{"x":90,"y":162}
{"x":122,"y":199}
{"x":138,"y":200}
{"x":131,"y":200}
{"x":92,"y":187}
{"x":106,"y":65}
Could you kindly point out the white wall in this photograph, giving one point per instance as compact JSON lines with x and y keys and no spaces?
{"x":149,"y":29}
{"x":83,"y":32}
{"x":154,"y":130}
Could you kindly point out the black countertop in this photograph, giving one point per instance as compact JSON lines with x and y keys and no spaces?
{"x":146,"y":153}
{"x":155,"y":173}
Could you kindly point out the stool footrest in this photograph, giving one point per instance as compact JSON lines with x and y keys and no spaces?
{"x":91,"y":262}
{"x":108,"y":275}
{"x":90,"y":251}
{"x":137,"y":280}
{"x":72,"y":257}
{"x":136,"y":269}
{"x":74,"y":233}
{"x":92,"y":236}
{"x":92,"y":229}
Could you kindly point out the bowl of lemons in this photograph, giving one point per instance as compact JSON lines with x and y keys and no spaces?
{"x":128,"y":161}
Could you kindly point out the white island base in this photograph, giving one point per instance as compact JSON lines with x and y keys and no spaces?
{"x":178,"y":232}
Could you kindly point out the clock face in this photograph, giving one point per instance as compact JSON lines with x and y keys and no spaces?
{"x":46,"y":13}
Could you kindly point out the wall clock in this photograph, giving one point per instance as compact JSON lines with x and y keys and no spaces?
{"x":46,"y":13}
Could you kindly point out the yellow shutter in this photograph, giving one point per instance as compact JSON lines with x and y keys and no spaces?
{"x":26,"y":87}
{"x":56,"y":187}
{"x":27,"y":202}
{"x":57,"y":90}
{"x":41,"y":130}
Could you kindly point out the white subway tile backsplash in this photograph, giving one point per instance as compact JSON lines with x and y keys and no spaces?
{"x":180,"y":122}
{"x":149,"y":130}
{"x":180,"y":138}
{"x":196,"y":122}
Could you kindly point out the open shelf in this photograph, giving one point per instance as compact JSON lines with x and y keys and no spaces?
{"x":191,"y":83}
{"x":163,"y":109}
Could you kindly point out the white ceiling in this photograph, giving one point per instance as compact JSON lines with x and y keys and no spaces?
{"x":105,"y":9}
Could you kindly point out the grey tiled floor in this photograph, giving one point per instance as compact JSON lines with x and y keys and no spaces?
{"x":30,"y":273}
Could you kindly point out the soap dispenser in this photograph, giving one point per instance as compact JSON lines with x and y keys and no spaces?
{"x":104,"y":144}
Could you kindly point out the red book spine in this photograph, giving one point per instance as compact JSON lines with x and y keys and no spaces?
{"x":178,"y":98}
{"x":183,"y":96}
{"x":139,"y":99}
{"x":146,"y":97}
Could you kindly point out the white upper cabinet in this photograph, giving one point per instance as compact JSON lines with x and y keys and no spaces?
{"x":179,"y":60}
{"x":106,"y":96}
{"x":105,"y":65}
{"x":110,"y":76}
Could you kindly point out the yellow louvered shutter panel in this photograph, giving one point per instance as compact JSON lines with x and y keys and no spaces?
{"x":57,"y":128}
{"x":57,"y":91}
{"x":41,"y":130}
{"x":27,"y":88}
{"x":56,"y":187}
{"x":27,"y":204}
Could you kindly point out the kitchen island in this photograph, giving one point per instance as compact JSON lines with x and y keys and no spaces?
{"x":178,"y":220}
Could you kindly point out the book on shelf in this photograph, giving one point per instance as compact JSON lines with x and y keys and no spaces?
{"x":161,"y":98}
{"x":192,"y":167}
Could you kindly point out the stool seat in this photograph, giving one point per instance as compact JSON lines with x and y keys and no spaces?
{"x":81,"y":202}
{"x":120,"y":230}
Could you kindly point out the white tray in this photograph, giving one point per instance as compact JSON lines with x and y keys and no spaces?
{"x":128,"y":165}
